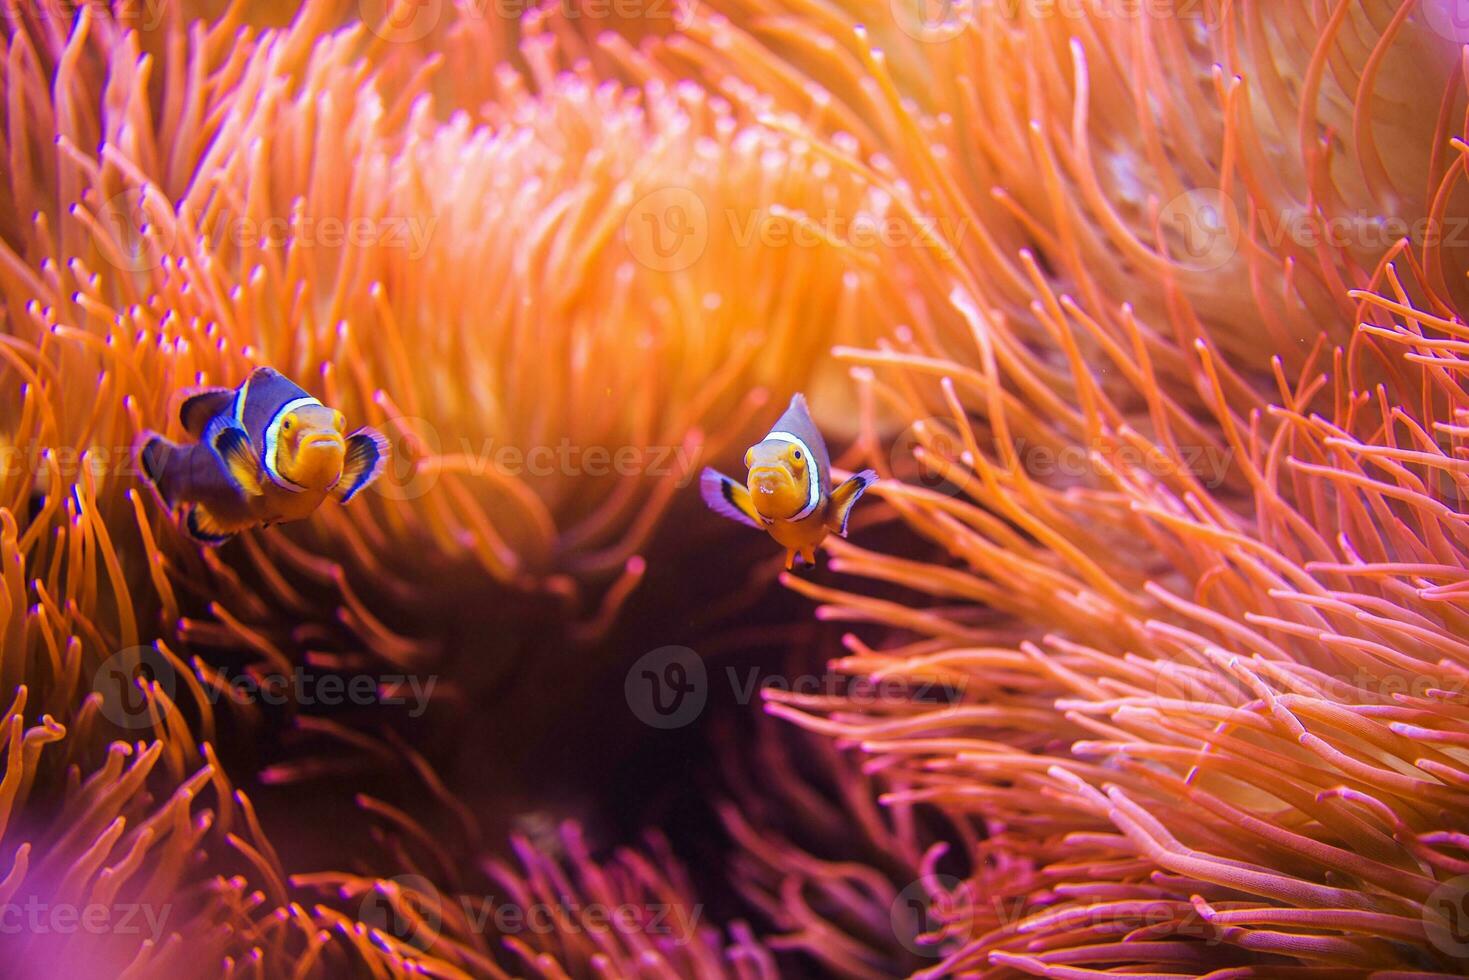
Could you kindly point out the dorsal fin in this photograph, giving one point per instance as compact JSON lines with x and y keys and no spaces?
{"x":797,"y":421}
{"x":200,"y":405}
{"x":796,"y":418}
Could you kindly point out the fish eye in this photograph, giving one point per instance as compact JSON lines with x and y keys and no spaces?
{"x":338,"y":420}
{"x":286,"y":423}
{"x":798,"y":454}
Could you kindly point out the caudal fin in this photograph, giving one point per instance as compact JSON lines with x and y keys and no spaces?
{"x":844,"y":496}
{"x":154,"y":452}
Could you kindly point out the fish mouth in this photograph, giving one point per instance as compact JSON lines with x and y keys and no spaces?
{"x":768,"y":480}
{"x":322,"y":439}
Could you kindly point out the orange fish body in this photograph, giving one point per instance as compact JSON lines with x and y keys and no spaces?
{"x":788,"y":491}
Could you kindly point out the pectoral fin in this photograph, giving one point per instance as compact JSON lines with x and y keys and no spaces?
{"x":844,"y":496}
{"x":729,"y":499}
{"x":367,"y":454}
{"x":236,"y":454}
{"x":201,"y":405}
{"x":204,"y":528}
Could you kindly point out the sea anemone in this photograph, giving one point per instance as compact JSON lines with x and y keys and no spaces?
{"x":1197,"y":559}
{"x":1146,"y":313}
{"x":186,"y":198}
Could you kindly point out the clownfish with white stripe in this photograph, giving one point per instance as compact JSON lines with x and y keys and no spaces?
{"x":267,"y":452}
{"x":788,"y":492}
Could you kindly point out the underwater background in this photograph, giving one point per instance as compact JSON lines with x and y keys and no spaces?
{"x":1146,"y":654}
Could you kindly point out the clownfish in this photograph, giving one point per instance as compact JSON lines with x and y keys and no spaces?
{"x":788,"y":492}
{"x":267,"y":452}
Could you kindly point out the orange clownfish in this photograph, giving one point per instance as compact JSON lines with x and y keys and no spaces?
{"x":267,"y":453}
{"x":788,"y":492}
